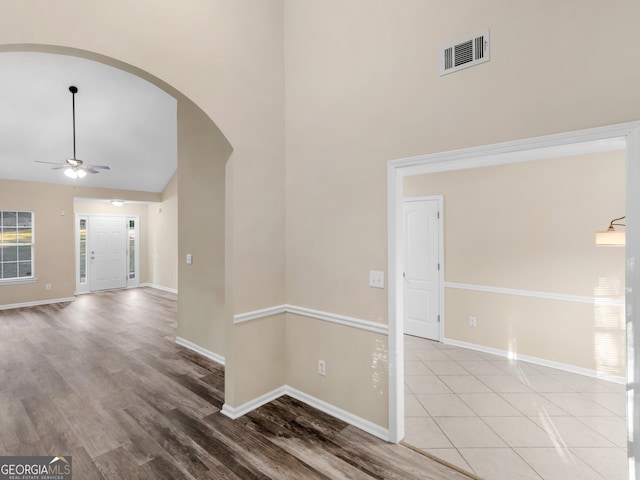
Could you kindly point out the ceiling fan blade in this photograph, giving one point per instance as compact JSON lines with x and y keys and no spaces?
{"x":75,"y":167}
{"x":51,"y":163}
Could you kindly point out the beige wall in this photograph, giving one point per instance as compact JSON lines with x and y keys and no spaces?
{"x":265,"y":358}
{"x":356,"y":365}
{"x":530,"y":226}
{"x":53,"y":236}
{"x":577,"y":334}
{"x":163,"y":238}
{"x":226,"y":56}
{"x":55,"y":233}
{"x":202,"y":154}
{"x":363,"y":88}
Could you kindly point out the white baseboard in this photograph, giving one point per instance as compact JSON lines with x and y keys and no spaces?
{"x":9,"y":306}
{"x":202,"y":351}
{"x":537,"y":361}
{"x":159,"y":287}
{"x":237,"y":412}
{"x":369,"y":427}
{"x":351,"y":419}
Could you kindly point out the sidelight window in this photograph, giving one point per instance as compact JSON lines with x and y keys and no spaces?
{"x":132,"y":248}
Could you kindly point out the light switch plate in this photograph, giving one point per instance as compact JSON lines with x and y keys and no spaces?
{"x":189,"y":259}
{"x":376,"y":279}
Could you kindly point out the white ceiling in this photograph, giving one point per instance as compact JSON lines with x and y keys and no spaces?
{"x":122,"y":121}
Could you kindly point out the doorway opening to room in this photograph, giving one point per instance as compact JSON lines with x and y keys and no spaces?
{"x":107,"y":252}
{"x":204,"y":154}
{"x":621,"y":138}
{"x":533,"y":304}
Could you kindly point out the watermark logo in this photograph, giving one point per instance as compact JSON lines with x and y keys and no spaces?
{"x":36,"y":468}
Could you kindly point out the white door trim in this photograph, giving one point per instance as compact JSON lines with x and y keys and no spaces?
{"x":608,"y":138}
{"x":440,"y":259}
{"x":86,"y":288}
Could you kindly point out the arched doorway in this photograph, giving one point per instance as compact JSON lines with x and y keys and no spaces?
{"x":202,"y":151}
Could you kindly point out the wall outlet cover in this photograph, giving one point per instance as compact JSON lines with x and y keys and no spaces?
{"x":376,"y":279}
{"x":322,"y":368}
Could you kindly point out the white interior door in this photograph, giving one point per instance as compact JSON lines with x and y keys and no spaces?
{"x":421,"y":270}
{"x":107,"y":242}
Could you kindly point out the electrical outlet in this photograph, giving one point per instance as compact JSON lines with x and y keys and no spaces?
{"x":376,"y":279}
{"x":473,"y":321}
{"x":47,"y":286}
{"x":321,"y":368}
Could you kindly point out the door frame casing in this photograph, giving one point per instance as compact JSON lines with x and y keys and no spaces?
{"x":440,"y":258}
{"x":87,"y":216}
{"x":625,"y":136}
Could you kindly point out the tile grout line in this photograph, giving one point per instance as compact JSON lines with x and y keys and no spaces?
{"x":547,"y":376}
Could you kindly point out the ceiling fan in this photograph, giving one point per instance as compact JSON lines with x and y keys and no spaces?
{"x":74,"y":167}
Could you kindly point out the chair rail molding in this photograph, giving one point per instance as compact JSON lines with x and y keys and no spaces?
{"x":358,"y":323}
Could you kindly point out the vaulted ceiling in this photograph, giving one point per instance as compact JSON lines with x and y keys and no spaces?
{"x":122,"y":121}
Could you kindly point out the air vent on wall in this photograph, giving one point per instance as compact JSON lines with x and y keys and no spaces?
{"x":466,"y":53}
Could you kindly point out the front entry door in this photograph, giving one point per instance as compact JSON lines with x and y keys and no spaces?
{"x":107,"y":252}
{"x":421,"y":271}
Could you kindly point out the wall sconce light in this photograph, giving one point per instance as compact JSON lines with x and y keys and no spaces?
{"x":117,"y":203}
{"x":610,"y":237}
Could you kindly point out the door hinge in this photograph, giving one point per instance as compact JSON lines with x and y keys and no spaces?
{"x":438,"y":266}
{"x":438,"y":318}
{"x":438,"y":214}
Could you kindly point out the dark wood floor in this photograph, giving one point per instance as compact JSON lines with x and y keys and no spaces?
{"x":102,"y":380}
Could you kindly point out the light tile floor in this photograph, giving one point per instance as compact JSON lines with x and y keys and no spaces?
{"x":505,"y":419}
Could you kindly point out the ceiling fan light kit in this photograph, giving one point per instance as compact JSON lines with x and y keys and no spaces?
{"x":75,"y":173}
{"x":74,"y":167}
